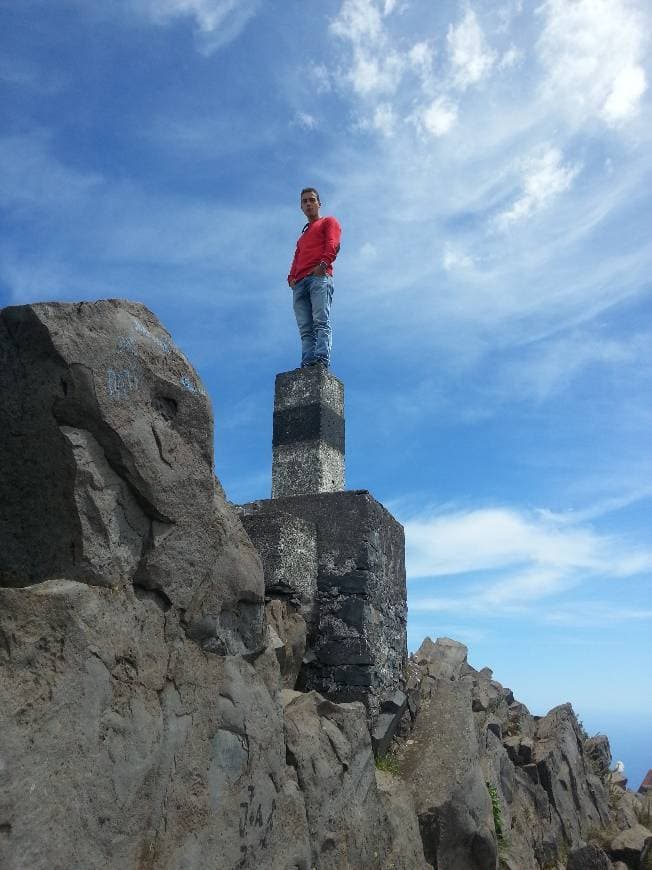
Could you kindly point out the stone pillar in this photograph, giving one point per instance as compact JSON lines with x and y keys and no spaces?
{"x":357,"y":645}
{"x":308,"y":440}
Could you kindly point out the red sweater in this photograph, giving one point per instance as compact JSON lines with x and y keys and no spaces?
{"x":320,"y":241}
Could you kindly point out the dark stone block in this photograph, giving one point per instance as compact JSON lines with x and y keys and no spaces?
{"x":383,"y":732}
{"x":345,"y":651}
{"x":353,"y":675}
{"x":352,"y":611}
{"x":308,"y":423}
{"x":396,"y":703}
{"x":351,"y":582}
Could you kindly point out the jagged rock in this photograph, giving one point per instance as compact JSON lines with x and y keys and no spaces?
{"x":444,"y":659}
{"x":618,"y":779}
{"x":407,"y":849}
{"x":107,"y":458}
{"x":328,"y":745}
{"x":288,"y":639}
{"x":520,"y":721}
{"x":391,"y":713}
{"x":519,"y":749}
{"x":444,"y":774}
{"x":525,"y":760}
{"x":588,"y":858}
{"x":599,"y":751}
{"x":521,"y":800}
{"x":125,"y":745}
{"x":129,"y":738}
{"x":626,"y":808}
{"x":575,"y":792}
{"x":645,"y":862}
{"x":630,"y":844}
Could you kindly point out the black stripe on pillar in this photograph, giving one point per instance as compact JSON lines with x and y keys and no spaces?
{"x":309,"y":423}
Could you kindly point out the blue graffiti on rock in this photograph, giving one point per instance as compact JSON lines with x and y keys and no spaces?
{"x":120,"y":383}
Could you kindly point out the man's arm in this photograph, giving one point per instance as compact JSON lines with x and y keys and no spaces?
{"x":291,"y":281}
{"x":331,"y":246}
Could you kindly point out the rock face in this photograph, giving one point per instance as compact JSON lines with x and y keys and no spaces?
{"x":445,"y":773}
{"x":124,"y":745}
{"x":140,"y":689}
{"x":108,"y":454}
{"x":588,"y":858}
{"x":496,"y":784}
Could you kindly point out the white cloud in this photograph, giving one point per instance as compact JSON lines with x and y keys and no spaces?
{"x":218,"y":22}
{"x":376,"y":65}
{"x":470,"y":55}
{"x":510,"y":58}
{"x":525,"y":557}
{"x":455,"y":258}
{"x":306,"y":120}
{"x":438,"y":117}
{"x":358,"y":20}
{"x":599,"y":508}
{"x":493,"y":538}
{"x":420,"y":58}
{"x":543,"y":178}
{"x":628,"y":88}
{"x":593,"y":614}
{"x":384,"y":119}
{"x":593,"y":53}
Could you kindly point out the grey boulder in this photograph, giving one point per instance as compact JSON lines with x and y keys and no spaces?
{"x":107,"y":458}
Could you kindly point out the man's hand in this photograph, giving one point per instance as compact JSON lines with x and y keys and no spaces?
{"x":320,"y":269}
{"x":291,"y":284}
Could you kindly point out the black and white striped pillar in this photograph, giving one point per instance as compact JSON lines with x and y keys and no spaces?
{"x":308,"y":440}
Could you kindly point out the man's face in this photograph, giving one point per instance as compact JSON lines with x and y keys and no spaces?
{"x":310,"y":205}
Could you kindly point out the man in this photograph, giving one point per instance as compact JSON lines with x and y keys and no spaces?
{"x":311,"y":280}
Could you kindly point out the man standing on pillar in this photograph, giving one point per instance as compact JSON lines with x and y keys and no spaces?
{"x":311,"y":280}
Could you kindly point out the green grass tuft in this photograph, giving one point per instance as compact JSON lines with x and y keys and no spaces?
{"x":389,"y":764}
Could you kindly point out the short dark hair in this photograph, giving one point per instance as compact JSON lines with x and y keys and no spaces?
{"x":310,"y":190}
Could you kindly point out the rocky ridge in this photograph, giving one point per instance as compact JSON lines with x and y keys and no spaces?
{"x":148,"y":665}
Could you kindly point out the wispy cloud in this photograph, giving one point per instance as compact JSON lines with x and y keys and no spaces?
{"x":543,"y":178}
{"x":549,"y":367}
{"x":593,"y":53}
{"x":376,"y":66}
{"x":216,"y":23}
{"x":471,"y":57}
{"x":508,"y":559}
{"x":306,"y":120}
{"x":438,"y":117}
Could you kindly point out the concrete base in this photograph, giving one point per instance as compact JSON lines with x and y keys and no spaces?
{"x":356,"y":649}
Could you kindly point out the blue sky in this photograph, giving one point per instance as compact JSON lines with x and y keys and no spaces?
{"x":490,"y":163}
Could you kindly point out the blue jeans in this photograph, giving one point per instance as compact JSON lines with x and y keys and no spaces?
{"x":312,"y":307}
